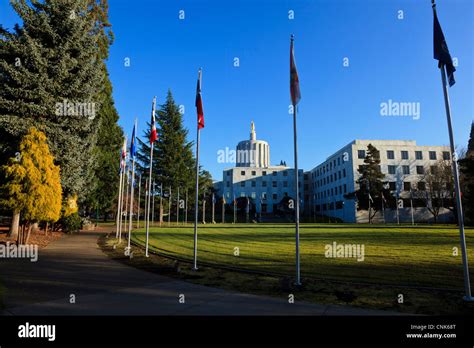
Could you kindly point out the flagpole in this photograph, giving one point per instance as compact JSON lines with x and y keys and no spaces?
{"x":223,"y":209}
{"x":177,"y":209}
{"x":297,"y":210}
{"x":139,"y":193}
{"x":146,"y":201}
{"x":196,"y":202}
{"x":204,"y":208}
{"x":161,"y":203}
{"x":200,"y":124}
{"x":235,"y":212}
{"x":169,"y":209}
{"x":149,"y":185}
{"x":213,"y":206}
{"x":295,"y":97}
{"x":131,"y":190}
{"x":122,"y":200}
{"x":127,"y":196}
{"x":383,"y":206}
{"x":467,"y":284}
{"x":153,"y":205}
{"x":411,"y":208}
{"x":186,"y":209}
{"x":119,"y":200}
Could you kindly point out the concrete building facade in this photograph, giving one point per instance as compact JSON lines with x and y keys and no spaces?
{"x":404,"y":164}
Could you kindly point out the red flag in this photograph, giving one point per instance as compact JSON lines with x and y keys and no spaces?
{"x":294,"y":81}
{"x":153,"y":135}
{"x":199,"y":109}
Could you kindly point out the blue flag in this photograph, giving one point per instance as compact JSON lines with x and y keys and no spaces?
{"x":440,"y":48}
{"x":133,"y":149}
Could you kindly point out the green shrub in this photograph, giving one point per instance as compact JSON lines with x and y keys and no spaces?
{"x":71,"y":223}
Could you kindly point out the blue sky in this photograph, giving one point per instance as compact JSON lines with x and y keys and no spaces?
{"x":389,"y":58}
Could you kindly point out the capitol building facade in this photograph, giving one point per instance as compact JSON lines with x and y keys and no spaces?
{"x":254,"y":177}
{"x":325,"y":190}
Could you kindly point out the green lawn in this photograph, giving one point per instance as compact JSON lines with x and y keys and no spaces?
{"x":399,"y":255}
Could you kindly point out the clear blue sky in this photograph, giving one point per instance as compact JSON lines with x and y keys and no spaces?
{"x":389,"y":59}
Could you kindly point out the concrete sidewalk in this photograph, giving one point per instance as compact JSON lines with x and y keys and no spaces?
{"x":75,"y":265}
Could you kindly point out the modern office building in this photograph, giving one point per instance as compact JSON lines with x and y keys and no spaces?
{"x":403,"y":163}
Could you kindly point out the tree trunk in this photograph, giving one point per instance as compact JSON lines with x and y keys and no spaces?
{"x":46,"y":229}
{"x":19,"y":239}
{"x":30,"y":227}
{"x":35,"y":227}
{"x":13,"y":233}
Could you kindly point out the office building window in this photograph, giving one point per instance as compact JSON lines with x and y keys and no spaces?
{"x":407,"y":186}
{"x":433,"y":169}
{"x":420,"y":170}
{"x":275,"y":173}
{"x":446,"y":156}
{"x":264,"y":184}
{"x":392,"y":169}
{"x":285,"y":183}
{"x":254,"y":172}
{"x":344,"y":172}
{"x":433,"y":155}
{"x":361,"y":154}
{"x":242,"y":184}
{"x":285,"y":173}
{"x":228,"y":173}
{"x":264,"y":195}
{"x":242,"y":172}
{"x":392,"y":186}
{"x":421,"y":186}
{"x":264,"y":173}
{"x":274,"y":184}
{"x":418,"y":155}
{"x":406,"y":169}
{"x":404,"y":155}
{"x":345,"y":188}
{"x":227,"y":184}
{"x":274,"y":196}
{"x":254,"y":183}
{"x":390,"y":154}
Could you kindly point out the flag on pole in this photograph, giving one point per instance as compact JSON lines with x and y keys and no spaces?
{"x":199,"y":109}
{"x":124,"y":149}
{"x":133,"y":150}
{"x":294,"y":80}
{"x":440,"y":48}
{"x":153,"y":134}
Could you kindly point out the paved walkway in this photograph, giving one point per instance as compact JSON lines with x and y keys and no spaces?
{"x":76,"y":265}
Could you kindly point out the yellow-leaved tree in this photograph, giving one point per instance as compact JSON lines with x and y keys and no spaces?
{"x":33,"y":186}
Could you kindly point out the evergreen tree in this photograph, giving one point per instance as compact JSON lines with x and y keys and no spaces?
{"x":467,"y":179}
{"x":33,"y":187}
{"x":104,"y":178}
{"x":53,"y":58}
{"x":371,"y":182}
{"x":173,"y":163}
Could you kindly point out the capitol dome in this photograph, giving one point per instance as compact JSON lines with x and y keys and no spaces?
{"x":253,"y":152}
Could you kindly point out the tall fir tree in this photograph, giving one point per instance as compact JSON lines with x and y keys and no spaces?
{"x":371,"y":182}
{"x":53,"y":58}
{"x":173,"y":160}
